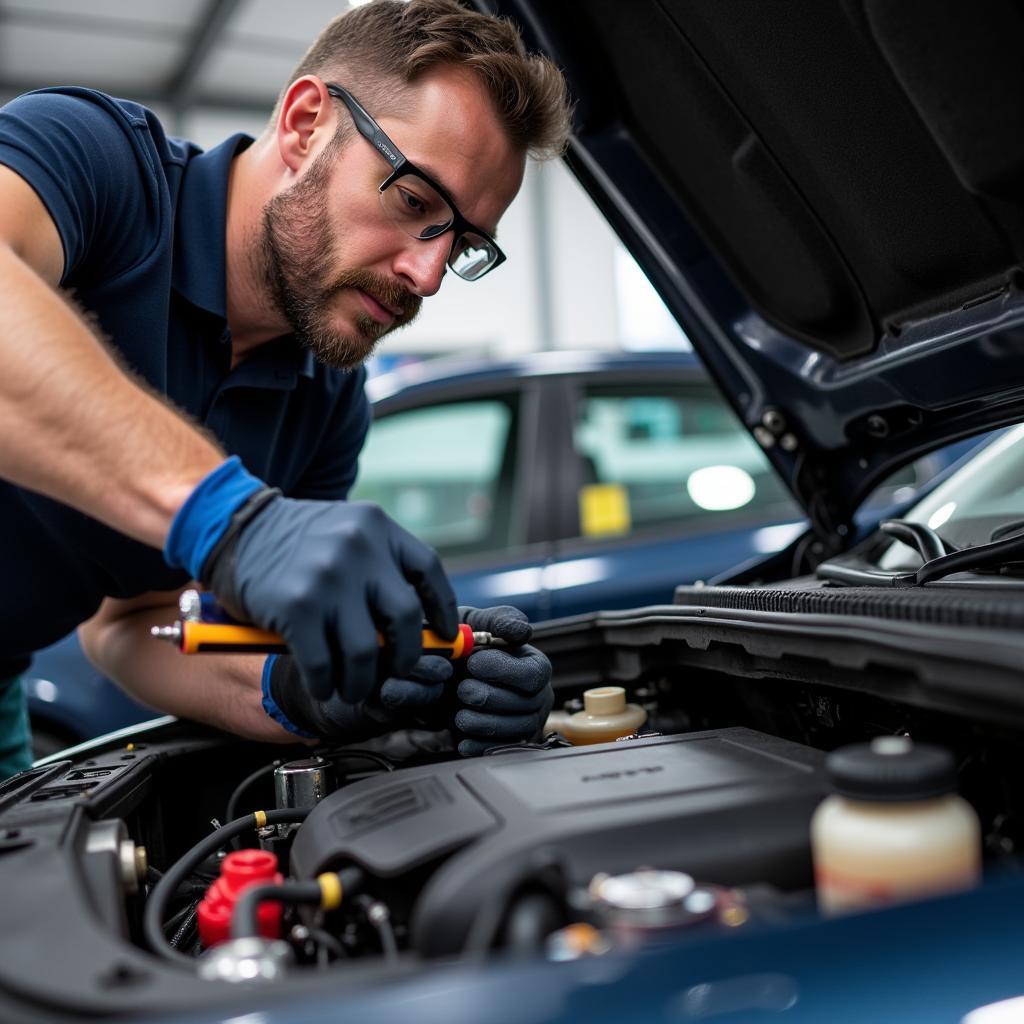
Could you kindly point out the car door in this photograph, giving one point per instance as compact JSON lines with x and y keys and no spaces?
{"x":664,"y":486}
{"x":461,"y":467}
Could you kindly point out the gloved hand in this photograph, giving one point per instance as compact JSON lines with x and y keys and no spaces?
{"x":326,"y":575}
{"x":397,"y":705}
{"x":506,"y":693}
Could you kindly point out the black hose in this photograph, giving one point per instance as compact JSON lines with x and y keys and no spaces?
{"x":984,"y":556}
{"x":153,"y":916}
{"x":245,"y":919}
{"x":187,"y":929}
{"x":381,"y":923}
{"x":328,"y":942}
{"x":1005,"y":529}
{"x":387,"y":937}
{"x":171,"y":924}
{"x":366,"y":755}
{"x":236,"y":795}
{"x":529,"y":921}
{"x":923,"y":539}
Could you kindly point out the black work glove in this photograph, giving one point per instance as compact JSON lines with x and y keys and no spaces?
{"x":506,"y":693}
{"x":399,"y":704}
{"x":326,"y":575}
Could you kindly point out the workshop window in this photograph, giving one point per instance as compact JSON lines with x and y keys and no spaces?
{"x":675,"y":456}
{"x":444,"y":473}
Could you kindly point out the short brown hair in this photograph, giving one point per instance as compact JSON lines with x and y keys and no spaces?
{"x":396,"y":41}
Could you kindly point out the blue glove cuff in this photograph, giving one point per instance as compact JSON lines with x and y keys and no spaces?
{"x":205,"y":516}
{"x":271,"y":707}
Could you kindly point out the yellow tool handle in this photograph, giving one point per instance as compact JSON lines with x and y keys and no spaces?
{"x":225,"y":638}
{"x":460,"y":647}
{"x":228,"y":638}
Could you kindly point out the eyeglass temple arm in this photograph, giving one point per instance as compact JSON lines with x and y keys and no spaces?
{"x":368,"y":128}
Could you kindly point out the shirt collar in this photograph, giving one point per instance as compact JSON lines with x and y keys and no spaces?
{"x":275,"y":365}
{"x":200,"y":259}
{"x":200,"y":256}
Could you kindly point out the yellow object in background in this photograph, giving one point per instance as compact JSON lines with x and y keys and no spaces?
{"x":604,"y":510}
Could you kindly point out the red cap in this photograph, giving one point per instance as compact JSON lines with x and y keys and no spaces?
{"x":239,"y":871}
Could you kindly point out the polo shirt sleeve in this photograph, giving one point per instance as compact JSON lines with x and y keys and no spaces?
{"x":78,"y":150}
{"x":332,"y":472}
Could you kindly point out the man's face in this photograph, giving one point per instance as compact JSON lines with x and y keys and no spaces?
{"x":339,"y":271}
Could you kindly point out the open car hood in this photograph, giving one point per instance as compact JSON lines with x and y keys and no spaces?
{"x":829,"y":196}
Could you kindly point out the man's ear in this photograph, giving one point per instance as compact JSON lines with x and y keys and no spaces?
{"x":306,"y":117}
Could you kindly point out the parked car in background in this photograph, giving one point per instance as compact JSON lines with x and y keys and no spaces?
{"x":560,"y":482}
{"x":567,"y":482}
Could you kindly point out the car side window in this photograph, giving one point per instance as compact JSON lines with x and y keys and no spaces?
{"x":445,"y":473}
{"x":669,"y":456}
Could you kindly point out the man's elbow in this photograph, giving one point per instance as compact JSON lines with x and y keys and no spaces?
{"x":91,"y":638}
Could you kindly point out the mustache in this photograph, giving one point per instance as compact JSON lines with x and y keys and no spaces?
{"x":387,"y":291}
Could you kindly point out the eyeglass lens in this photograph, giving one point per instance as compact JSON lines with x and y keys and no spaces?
{"x":418,"y":209}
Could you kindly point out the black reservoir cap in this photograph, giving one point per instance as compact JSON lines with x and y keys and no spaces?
{"x":891,"y":769}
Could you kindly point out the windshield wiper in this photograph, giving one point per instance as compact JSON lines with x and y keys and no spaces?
{"x":928,"y":543}
{"x":983,"y":558}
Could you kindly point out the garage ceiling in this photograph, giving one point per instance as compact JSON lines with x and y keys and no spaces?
{"x":229,"y":54}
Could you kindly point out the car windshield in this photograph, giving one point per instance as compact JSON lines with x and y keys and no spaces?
{"x":986,"y":493}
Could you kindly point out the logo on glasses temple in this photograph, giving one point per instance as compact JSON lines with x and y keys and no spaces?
{"x":387,"y":152}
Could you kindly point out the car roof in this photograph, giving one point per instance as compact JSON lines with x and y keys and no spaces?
{"x":428,"y":375}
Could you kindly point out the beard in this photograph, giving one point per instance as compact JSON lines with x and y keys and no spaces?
{"x":296,"y":245}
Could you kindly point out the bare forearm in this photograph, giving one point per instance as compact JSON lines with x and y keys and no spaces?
{"x":219,"y":690}
{"x":78,"y":428}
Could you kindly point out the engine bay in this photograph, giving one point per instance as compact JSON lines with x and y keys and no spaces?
{"x":697,"y":824}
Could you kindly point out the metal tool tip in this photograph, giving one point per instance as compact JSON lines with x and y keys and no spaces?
{"x":481,"y":639}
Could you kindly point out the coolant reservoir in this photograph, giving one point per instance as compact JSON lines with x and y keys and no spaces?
{"x":894,"y":829}
{"x":605,"y":717}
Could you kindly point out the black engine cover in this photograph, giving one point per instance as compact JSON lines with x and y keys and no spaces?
{"x":731,"y":806}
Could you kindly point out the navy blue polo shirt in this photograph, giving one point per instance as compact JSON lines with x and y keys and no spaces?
{"x":142,"y":219}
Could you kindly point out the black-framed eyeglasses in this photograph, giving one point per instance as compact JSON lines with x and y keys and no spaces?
{"x":418,"y":204}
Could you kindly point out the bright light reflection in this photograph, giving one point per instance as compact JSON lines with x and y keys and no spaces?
{"x":577,"y":573}
{"x":516,"y":581}
{"x":770,"y":539}
{"x":1008,"y":1011}
{"x":45,"y":690}
{"x":941,"y":515}
{"x":720,"y":488}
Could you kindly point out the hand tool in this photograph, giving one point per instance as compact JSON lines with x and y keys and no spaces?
{"x":203,"y":627}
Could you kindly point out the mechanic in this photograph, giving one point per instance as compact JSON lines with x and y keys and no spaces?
{"x":181,"y":385}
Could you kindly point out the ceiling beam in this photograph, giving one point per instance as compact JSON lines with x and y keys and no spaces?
{"x":88,"y":23}
{"x":210,"y":27}
{"x":258,"y":106}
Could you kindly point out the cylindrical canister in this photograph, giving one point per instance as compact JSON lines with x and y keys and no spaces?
{"x":304,"y":783}
{"x":894,"y":828}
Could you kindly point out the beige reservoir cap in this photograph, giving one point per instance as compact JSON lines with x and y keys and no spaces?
{"x":605,"y":700}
